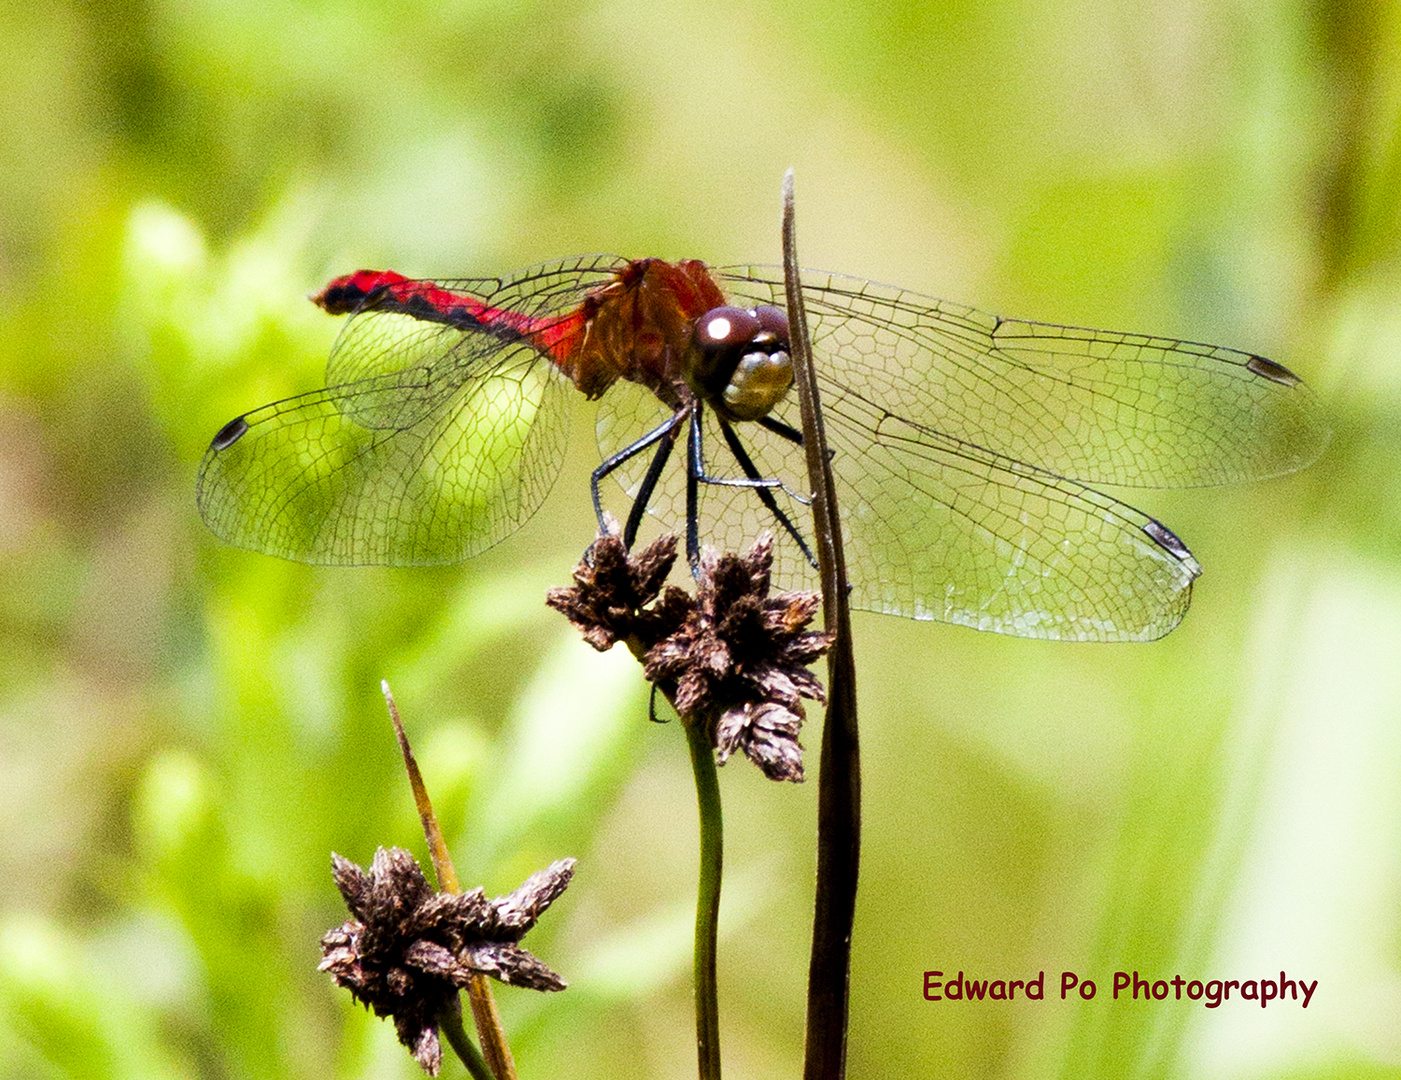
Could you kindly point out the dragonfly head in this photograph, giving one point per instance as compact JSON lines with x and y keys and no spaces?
{"x":740,"y":364}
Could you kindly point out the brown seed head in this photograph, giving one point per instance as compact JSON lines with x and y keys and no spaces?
{"x":407,"y":950}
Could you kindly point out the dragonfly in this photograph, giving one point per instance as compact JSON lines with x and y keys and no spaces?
{"x":968,"y":450}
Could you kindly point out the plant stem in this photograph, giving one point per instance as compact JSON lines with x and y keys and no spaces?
{"x":450,"y":1023}
{"x":488,"y":1020}
{"x":839,"y":775}
{"x":707,"y":899}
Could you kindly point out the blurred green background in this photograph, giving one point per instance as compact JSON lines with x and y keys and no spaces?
{"x":188,"y":731}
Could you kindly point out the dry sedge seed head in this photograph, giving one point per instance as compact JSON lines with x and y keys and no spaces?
{"x":732,"y":656}
{"x":767,"y":734}
{"x":742,"y":656}
{"x":608,"y":600}
{"x":408,"y":950}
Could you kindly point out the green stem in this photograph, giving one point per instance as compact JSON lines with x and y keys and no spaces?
{"x":450,"y":1023}
{"x":707,"y":899}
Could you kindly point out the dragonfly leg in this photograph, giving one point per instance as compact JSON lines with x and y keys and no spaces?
{"x":746,"y":463}
{"x":762,"y":486}
{"x":751,"y":478}
{"x":695,"y":469}
{"x":652,"y":708}
{"x":649,"y":484}
{"x":782,"y":430}
{"x":627,"y":453}
{"x":789,"y":433}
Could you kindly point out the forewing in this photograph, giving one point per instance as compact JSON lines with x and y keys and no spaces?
{"x":1096,"y":406}
{"x":437,"y":435}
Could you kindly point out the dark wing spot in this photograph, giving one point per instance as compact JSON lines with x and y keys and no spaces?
{"x":1268,"y":369}
{"x":229,"y":434}
{"x":1166,"y":539}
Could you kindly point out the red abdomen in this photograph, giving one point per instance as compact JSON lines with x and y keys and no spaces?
{"x":638,"y":327}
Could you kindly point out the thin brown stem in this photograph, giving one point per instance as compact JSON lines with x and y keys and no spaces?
{"x":839,"y":774}
{"x":488,"y":1020}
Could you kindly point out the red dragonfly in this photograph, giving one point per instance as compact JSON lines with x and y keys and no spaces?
{"x":964,"y":445}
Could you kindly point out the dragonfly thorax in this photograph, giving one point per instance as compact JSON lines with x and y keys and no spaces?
{"x":740,"y":364}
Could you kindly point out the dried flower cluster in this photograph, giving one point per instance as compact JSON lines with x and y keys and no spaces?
{"x":612,"y":589}
{"x":732,"y":656}
{"x":407,"y":950}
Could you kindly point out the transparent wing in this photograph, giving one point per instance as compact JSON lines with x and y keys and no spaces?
{"x":431,"y":442}
{"x":963,"y":444}
{"x":936,"y":529}
{"x":400,"y":469}
{"x":1097,"y":406}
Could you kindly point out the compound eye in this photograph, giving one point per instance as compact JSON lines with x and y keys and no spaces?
{"x":726,"y":328}
{"x":773,"y":321}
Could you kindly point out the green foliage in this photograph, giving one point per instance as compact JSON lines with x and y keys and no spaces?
{"x":187,"y":731}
